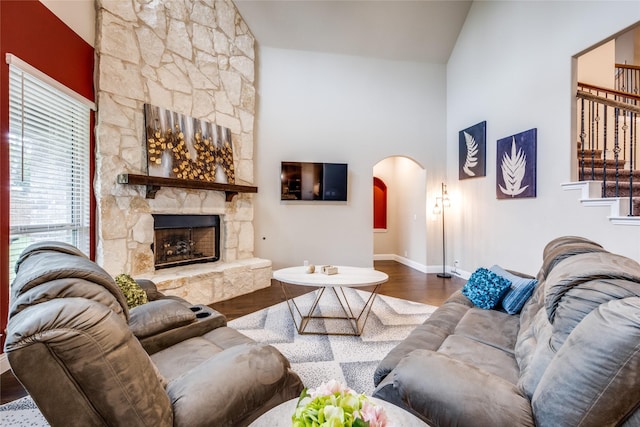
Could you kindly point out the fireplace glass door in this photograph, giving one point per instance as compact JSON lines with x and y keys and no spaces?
{"x":185,"y":239}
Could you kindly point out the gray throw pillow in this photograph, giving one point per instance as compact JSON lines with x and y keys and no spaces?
{"x":519,"y":293}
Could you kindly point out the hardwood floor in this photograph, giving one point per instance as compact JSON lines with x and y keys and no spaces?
{"x":404,"y":282}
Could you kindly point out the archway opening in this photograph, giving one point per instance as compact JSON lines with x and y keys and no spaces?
{"x":399,"y":189}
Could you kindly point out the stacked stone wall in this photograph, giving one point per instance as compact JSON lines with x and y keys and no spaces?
{"x":194,"y":57}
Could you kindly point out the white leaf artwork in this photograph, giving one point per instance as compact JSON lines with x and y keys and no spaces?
{"x":513,"y":170}
{"x":472,"y":150}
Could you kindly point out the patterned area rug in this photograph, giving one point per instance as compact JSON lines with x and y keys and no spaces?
{"x":21,"y":412}
{"x":349,"y":359}
{"x":316,"y":358}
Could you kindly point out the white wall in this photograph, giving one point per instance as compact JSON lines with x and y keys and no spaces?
{"x":337,"y":108}
{"x":411,"y":213}
{"x":596,"y":66}
{"x":626,"y":47}
{"x":512,"y":66}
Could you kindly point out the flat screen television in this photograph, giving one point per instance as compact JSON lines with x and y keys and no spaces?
{"x":313,"y":181}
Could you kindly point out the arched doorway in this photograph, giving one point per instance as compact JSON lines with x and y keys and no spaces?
{"x":403,"y":238}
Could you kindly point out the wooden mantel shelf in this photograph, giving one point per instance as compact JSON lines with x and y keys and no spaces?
{"x":154,"y":183}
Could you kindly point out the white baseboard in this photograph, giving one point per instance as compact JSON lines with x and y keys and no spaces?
{"x":461,"y":274}
{"x":413,"y":264}
{"x":4,"y":363}
{"x":421,"y":267}
{"x":402,"y":260}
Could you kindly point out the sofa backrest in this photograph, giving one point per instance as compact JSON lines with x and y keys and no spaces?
{"x":580,"y":285}
{"x":564,"y":247}
{"x":49,"y":270}
{"x":69,"y":344}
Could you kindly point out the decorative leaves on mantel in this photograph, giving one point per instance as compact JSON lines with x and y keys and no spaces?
{"x":182,"y":147}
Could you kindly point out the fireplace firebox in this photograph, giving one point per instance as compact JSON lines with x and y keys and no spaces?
{"x":185,"y":239}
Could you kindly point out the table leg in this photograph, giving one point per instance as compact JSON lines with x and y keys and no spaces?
{"x":349,"y":315}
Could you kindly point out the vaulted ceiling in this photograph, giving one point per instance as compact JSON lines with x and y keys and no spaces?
{"x":417,"y":30}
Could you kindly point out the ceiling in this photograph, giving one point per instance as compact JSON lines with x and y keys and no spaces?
{"x":402,"y":30}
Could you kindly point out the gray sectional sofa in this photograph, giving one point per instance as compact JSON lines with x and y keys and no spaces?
{"x":571,"y":357}
{"x":86,"y":359}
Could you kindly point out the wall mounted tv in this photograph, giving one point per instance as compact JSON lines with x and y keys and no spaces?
{"x":313,"y":181}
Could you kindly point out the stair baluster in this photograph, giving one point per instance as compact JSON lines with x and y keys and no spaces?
{"x":618,"y":172}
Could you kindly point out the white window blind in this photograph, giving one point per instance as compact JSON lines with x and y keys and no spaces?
{"x":49,"y":165}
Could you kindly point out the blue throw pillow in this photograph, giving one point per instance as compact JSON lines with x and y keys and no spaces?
{"x":520,"y":291}
{"x":485,"y":288}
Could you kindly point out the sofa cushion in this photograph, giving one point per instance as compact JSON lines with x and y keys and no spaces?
{"x":533,"y":352}
{"x":593,"y":380}
{"x":247,"y":375}
{"x":485,"y":288}
{"x":192,"y":352}
{"x":519,"y":292}
{"x":491,"y":327}
{"x":429,"y":335}
{"x":475,"y":353}
{"x":448,"y":392}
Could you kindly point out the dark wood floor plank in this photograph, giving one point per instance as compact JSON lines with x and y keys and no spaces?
{"x":404,"y":282}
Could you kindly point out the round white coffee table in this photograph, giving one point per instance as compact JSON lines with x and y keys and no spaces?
{"x":280,"y":416}
{"x":346,"y":277}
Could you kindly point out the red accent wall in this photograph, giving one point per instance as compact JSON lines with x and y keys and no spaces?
{"x":379,"y":204}
{"x":34,"y":34}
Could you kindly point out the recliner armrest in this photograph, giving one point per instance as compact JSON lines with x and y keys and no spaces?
{"x":445,"y":391}
{"x":162,"y":323}
{"x":153,"y":294}
{"x":226,"y":389}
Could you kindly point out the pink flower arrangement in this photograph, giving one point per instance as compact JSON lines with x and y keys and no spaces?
{"x":373,"y":414}
{"x":332,"y":404}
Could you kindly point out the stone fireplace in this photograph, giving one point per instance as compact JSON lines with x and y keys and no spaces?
{"x":195,"y":58}
{"x":185,"y":240}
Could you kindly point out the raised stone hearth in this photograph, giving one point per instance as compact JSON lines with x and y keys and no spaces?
{"x":212,"y":282}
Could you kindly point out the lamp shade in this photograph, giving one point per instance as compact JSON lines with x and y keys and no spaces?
{"x":437,"y":210}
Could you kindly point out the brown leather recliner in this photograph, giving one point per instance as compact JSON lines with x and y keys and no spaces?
{"x":87,"y":360}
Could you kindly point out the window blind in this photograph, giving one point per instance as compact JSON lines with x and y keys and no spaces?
{"x":49,"y":162}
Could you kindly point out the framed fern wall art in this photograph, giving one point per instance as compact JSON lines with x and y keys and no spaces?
{"x":472,"y":151}
{"x":516,"y":168}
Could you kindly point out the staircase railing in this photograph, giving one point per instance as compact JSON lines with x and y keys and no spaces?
{"x":628,"y":78}
{"x":608,"y":132}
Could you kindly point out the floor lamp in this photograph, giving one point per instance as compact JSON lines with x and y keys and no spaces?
{"x":442,"y":202}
